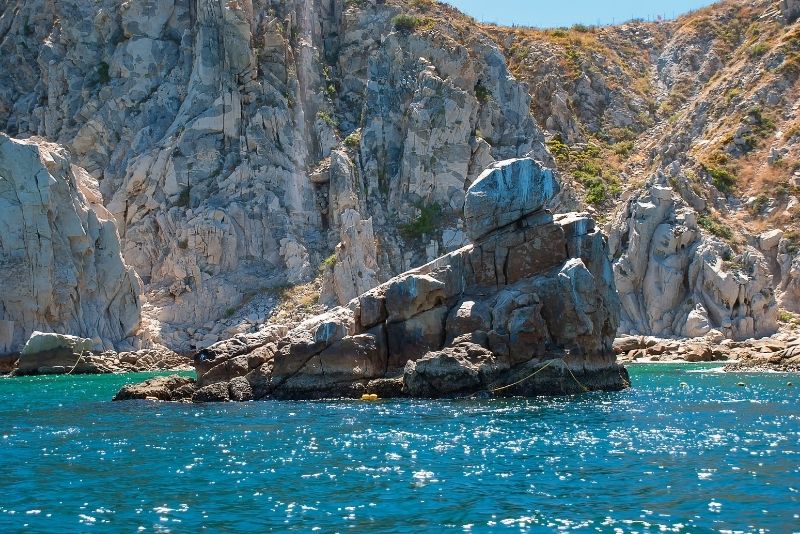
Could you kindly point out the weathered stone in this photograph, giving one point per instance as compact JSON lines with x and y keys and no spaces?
{"x":506,"y":192}
{"x":53,"y":351}
{"x":410,"y":295}
{"x":459,"y":370}
{"x":61,"y":263}
{"x":239,"y":389}
{"x":413,"y":338}
{"x":373,"y":309}
{"x":358,"y":357}
{"x":165,"y":388}
{"x":543,"y":249}
{"x":468,"y":316}
{"x":235,"y":357}
{"x":212,"y":393}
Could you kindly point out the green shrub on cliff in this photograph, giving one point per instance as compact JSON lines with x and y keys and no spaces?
{"x":406,"y":23}
{"x":426,"y":222}
{"x":353,"y":140}
{"x":721,"y":177}
{"x":714,"y":227}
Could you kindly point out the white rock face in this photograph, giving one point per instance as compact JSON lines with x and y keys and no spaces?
{"x":674,"y":280}
{"x":788,"y":259}
{"x":60,"y":264}
{"x":355,"y":269}
{"x":44,"y":342}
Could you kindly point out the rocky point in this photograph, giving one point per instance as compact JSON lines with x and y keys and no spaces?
{"x":527,"y":308}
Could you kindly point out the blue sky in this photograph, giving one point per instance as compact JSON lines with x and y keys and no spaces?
{"x":552,"y":13}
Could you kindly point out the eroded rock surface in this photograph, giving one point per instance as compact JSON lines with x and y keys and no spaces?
{"x":164,"y":388}
{"x":50,"y":353}
{"x":60,"y":264}
{"x":236,"y":143}
{"x":674,"y":280}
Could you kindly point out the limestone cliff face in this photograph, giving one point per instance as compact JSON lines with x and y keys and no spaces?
{"x":237,"y":142}
{"x":60,"y":264}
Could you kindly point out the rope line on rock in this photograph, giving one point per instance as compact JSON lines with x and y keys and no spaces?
{"x":80,"y":357}
{"x":542,"y":368}
{"x":573,"y":376}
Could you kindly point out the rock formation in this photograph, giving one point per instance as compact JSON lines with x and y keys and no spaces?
{"x":675,"y":281}
{"x":790,"y":9}
{"x":250,"y":145}
{"x":528,"y":308}
{"x":60,"y":263}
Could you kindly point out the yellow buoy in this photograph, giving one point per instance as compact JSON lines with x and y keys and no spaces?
{"x":369,"y":397}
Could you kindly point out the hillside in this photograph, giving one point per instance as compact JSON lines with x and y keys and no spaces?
{"x":266,"y":159}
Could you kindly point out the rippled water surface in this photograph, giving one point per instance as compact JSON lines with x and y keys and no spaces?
{"x":706,"y":456}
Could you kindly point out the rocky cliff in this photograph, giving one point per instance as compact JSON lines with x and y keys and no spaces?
{"x":60,"y":264}
{"x":706,"y":105}
{"x":672,"y":279}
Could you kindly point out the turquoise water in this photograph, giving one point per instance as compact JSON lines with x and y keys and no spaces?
{"x":706,"y":457}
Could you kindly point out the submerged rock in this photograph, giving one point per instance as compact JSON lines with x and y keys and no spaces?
{"x":165,"y":388}
{"x":530,"y":303}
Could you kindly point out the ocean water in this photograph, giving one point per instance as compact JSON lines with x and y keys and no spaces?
{"x":706,"y":456}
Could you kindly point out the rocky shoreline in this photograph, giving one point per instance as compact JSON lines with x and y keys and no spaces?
{"x":777,"y":353}
{"x":49,"y":353}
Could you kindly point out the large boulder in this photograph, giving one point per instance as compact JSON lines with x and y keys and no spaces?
{"x":60,"y":263}
{"x":461,"y":369}
{"x":506,"y":192}
{"x":49,"y":353}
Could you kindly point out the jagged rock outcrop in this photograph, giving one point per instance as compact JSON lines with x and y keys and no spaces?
{"x":60,"y":264}
{"x":163,"y":388}
{"x":674,"y":280}
{"x":533,"y":295}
